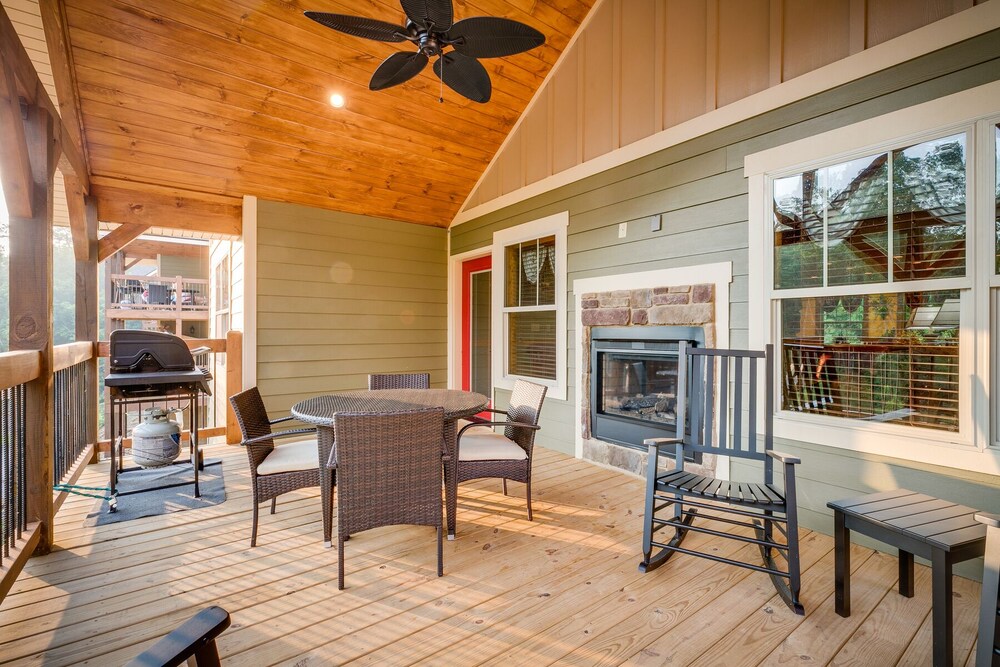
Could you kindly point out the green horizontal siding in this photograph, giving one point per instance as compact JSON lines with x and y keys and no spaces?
{"x":699,"y":189}
{"x":340,"y":296}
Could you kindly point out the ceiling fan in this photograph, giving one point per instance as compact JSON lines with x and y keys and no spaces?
{"x":431,"y":28}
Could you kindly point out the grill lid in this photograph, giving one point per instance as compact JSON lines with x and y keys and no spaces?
{"x":134,"y":351}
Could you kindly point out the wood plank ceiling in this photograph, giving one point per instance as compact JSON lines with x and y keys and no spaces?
{"x":214,"y":99}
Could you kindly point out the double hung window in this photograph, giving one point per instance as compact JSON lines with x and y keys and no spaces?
{"x":875,"y":272}
{"x":530,"y":325}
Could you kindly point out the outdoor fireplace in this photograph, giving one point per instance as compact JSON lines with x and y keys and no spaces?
{"x":634,"y":381}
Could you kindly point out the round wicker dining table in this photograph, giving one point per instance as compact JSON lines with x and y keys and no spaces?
{"x":321,"y":410}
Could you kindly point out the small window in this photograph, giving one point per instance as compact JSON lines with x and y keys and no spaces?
{"x":530,"y":327}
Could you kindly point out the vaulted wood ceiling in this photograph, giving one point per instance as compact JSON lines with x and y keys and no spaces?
{"x":212,"y":99}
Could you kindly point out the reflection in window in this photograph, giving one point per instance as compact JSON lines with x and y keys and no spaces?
{"x":530,"y":273}
{"x":928,"y":209}
{"x":889,"y":358}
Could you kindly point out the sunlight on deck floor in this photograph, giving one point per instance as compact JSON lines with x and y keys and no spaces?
{"x":562,"y":589}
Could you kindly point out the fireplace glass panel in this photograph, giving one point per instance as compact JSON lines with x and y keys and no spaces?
{"x":639,"y":385}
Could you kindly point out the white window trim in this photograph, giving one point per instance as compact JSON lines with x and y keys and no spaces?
{"x":553,"y":225}
{"x":969,"y":449}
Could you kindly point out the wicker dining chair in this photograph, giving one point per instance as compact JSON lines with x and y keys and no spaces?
{"x":399,"y":381}
{"x":482,"y":452}
{"x":388,"y":473}
{"x":273,"y":470}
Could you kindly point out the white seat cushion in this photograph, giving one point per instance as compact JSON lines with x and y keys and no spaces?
{"x":485,"y":445}
{"x":290,"y":457}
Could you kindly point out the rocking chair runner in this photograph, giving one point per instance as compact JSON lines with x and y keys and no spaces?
{"x":674,"y":497}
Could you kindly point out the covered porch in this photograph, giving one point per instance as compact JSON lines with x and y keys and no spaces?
{"x":621,"y":178}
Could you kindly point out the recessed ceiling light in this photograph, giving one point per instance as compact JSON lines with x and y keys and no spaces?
{"x":337,"y":100}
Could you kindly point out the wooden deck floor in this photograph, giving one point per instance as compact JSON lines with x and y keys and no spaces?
{"x":562,"y":589}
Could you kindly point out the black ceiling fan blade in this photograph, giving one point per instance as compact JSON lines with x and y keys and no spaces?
{"x":360,"y":26}
{"x":493,"y":37}
{"x":438,"y":14}
{"x":466,"y":76}
{"x":396,"y":69}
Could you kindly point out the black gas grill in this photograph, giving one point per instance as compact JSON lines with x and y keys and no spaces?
{"x":150,"y":368}
{"x":154,"y":362}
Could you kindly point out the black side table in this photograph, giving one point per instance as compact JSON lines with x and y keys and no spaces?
{"x":940,"y":531}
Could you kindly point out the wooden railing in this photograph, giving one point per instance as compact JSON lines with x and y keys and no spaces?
{"x":19,"y":527}
{"x":74,"y":422}
{"x":30,"y":466}
{"x":142,"y":297}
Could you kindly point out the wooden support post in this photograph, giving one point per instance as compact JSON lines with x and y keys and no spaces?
{"x":31,"y":317}
{"x":87,"y":306}
{"x":234,"y":382}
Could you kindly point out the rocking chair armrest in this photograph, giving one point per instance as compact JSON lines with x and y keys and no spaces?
{"x":663,"y":442}
{"x":781,"y":457}
{"x":278,"y":434}
{"x":991,"y":520}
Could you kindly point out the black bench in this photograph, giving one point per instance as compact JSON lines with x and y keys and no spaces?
{"x":940,"y":531}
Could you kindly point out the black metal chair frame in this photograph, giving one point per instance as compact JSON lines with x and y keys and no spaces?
{"x":764,"y":508}
{"x":192,"y":642}
{"x":988,"y":644}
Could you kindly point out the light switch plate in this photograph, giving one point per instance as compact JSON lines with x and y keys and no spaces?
{"x":622,"y":229}
{"x":655,"y":223}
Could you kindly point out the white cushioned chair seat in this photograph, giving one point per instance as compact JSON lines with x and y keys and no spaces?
{"x":290,"y":457}
{"x":480,"y":444}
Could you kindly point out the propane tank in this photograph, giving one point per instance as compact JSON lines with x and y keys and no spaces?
{"x":157,"y":440}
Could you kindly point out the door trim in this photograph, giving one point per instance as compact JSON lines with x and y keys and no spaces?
{"x":455,"y":342}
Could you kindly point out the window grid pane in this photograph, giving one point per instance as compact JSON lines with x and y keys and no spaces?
{"x":531,"y":344}
{"x":888,"y":358}
{"x":928,"y":207}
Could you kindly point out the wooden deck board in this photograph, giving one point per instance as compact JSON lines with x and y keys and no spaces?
{"x":563,"y":589}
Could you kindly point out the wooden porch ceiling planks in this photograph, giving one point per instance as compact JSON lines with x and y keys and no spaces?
{"x":118,"y":239}
{"x":230,"y":97}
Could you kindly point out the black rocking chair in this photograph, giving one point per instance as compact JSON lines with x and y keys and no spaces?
{"x":674,"y":497}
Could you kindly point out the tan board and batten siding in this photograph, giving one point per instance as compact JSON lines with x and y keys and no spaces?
{"x":340,"y":296}
{"x":642,"y":66}
{"x":700,"y":190}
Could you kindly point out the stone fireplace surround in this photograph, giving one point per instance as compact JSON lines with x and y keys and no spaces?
{"x":692,"y":296}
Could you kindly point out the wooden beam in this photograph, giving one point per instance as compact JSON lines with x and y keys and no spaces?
{"x":118,"y":239}
{"x":64,"y":74}
{"x":234,"y":382}
{"x":151,"y":249}
{"x":31,"y":318}
{"x":157,"y":206}
{"x":15,"y":163}
{"x":30,"y":87}
{"x":87,"y":312}
{"x":78,"y":218}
